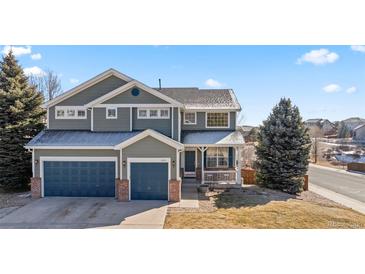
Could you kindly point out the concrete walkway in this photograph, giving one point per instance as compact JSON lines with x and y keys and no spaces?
{"x":189,"y":195}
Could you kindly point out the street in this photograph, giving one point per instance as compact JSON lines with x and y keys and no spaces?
{"x":347,"y":184}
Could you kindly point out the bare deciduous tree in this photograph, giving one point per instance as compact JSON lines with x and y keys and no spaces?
{"x":48,"y":84}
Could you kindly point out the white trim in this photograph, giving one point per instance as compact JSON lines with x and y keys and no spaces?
{"x":128,"y":86}
{"x":47,"y":118}
{"x":69,"y":147}
{"x":190,"y":173}
{"x":154,"y":134}
{"x":213,"y":145}
{"x":96,"y":79}
{"x":149,"y":160}
{"x":206,"y":118}
{"x":234,"y":98}
{"x":211,"y":109}
{"x":191,"y":112}
{"x":172,"y":122}
{"x":67,"y":108}
{"x":179,"y":124}
{"x":202,"y":150}
{"x":121,"y":164}
{"x":92,"y":119}
{"x":130,"y":119}
{"x":148,"y":113}
{"x":112,"y":117}
{"x":133,"y":105}
{"x":33,"y":167}
{"x":217,"y":158}
{"x":43,"y":159}
{"x":177,"y":165}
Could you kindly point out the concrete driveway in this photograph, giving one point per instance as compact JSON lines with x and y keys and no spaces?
{"x":60,"y":212}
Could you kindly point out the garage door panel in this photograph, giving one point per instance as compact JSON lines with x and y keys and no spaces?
{"x":79,"y":179}
{"x":149,"y":181}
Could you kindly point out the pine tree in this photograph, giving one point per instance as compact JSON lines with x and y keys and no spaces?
{"x":21,"y":119}
{"x":283,"y":149}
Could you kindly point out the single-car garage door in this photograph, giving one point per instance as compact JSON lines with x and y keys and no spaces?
{"x":79,"y":179}
{"x":149,"y":181}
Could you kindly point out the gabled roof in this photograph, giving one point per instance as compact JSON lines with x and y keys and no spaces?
{"x":358,"y":127}
{"x":128,"y":86}
{"x":96,"y":79}
{"x":195,"y":98}
{"x":215,"y":138}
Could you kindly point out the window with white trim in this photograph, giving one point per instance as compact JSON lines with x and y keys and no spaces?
{"x":70,"y":112}
{"x":189,"y":118}
{"x":153,"y":113}
{"x":217,"y":119}
{"x":111,"y":113}
{"x":217,"y":157}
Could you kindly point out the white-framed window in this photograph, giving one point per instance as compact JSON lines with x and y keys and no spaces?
{"x":189,"y":118}
{"x":217,"y":120}
{"x":70,"y":112}
{"x":217,"y":157}
{"x":111,"y":113}
{"x":153,"y":113}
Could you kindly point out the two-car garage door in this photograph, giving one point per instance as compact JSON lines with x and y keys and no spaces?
{"x":148,"y":180}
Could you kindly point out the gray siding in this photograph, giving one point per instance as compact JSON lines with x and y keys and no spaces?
{"x":80,"y":124}
{"x":73,"y":152}
{"x":119,"y":124}
{"x":176,"y":124}
{"x":149,"y":147}
{"x":200,"y":122}
{"x":161,"y":125}
{"x":93,"y":92}
{"x":144,"y":97}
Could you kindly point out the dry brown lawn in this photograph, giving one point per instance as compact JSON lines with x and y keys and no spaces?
{"x":255,"y":207}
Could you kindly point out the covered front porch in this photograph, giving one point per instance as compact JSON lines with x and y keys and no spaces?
{"x":213,"y":158}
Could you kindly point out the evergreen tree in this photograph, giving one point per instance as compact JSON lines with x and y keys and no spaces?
{"x":21,"y":118}
{"x":283,"y":149}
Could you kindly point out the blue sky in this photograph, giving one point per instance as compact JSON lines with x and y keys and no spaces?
{"x":323,"y":81}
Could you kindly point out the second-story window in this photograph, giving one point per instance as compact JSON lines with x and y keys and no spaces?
{"x":190,"y":118}
{"x":153,"y":113}
{"x":111,"y":113}
{"x":217,"y":119}
{"x":70,"y":112}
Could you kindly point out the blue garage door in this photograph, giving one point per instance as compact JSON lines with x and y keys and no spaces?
{"x":149,"y":181}
{"x":79,"y":179}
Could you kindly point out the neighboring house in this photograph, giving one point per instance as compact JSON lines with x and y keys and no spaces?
{"x":115,"y":136}
{"x":353,"y":122}
{"x":320,"y":127}
{"x":248,"y":133}
{"x":359,"y":133}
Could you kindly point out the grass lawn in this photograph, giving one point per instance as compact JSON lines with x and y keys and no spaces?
{"x":255,"y":207}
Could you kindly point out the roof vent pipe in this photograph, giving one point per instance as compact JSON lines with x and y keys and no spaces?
{"x":159,"y":83}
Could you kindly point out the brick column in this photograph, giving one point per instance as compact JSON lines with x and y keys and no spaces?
{"x":122,"y":187}
{"x":174,"y":190}
{"x":35,"y":187}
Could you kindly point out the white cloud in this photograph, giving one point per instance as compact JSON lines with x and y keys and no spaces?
{"x":34,"y":71}
{"x":213,"y":83}
{"x":358,"y":48}
{"x":17,"y":51}
{"x":36,"y":56}
{"x":351,"y":90}
{"x":318,"y":57}
{"x":74,"y":80}
{"x":332,"y":88}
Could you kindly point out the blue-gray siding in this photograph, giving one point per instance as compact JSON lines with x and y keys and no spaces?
{"x":81,"y":124}
{"x":120,"y":124}
{"x":144,"y":97}
{"x":161,"y":125}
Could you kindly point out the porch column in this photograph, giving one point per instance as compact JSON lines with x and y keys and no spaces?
{"x":202,"y":149}
{"x":238,"y":165}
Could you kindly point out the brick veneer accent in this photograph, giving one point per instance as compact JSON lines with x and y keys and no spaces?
{"x":122,"y":187}
{"x":174,"y":190}
{"x":35,"y":187}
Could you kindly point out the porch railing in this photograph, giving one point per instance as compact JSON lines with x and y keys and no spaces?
{"x":215,"y":176}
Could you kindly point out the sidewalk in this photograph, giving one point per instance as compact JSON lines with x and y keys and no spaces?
{"x":338,"y":198}
{"x":343,"y":171}
{"x":189,"y":195}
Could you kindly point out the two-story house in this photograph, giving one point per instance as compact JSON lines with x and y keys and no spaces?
{"x":115,"y":136}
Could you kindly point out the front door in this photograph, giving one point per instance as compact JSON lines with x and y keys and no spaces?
{"x":190,"y":162}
